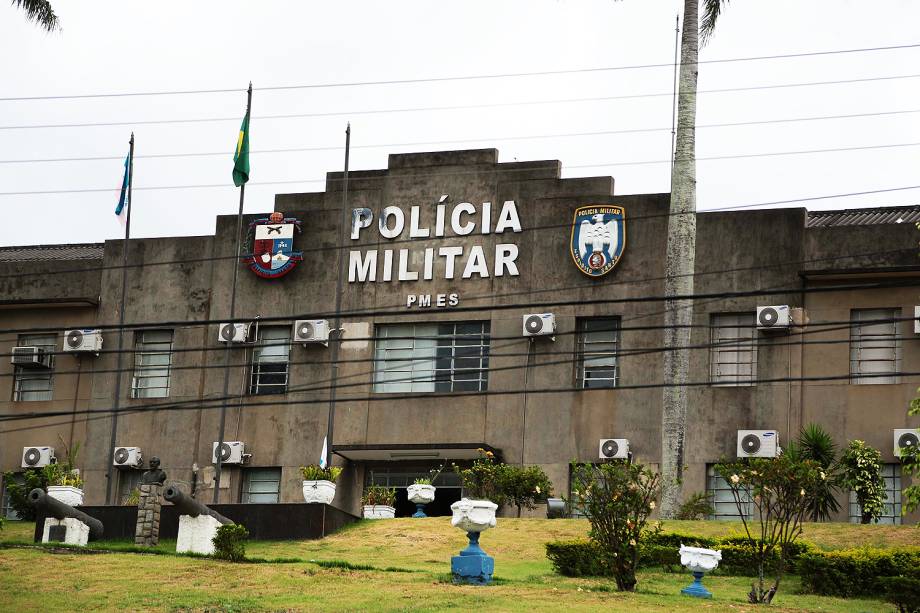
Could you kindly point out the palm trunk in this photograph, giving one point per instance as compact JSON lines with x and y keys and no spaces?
{"x":681,"y":252}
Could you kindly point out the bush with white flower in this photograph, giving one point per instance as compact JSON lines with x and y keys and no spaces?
{"x":862,"y":473}
{"x":617,"y":497}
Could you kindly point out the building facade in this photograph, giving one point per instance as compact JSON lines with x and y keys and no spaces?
{"x":439,"y":259}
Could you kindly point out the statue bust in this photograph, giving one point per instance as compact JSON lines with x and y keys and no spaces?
{"x":154,"y":475}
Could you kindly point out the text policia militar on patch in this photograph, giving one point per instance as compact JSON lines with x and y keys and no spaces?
{"x":447,"y":261}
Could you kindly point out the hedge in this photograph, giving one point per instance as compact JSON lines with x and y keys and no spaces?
{"x":903,"y":592}
{"x":855,"y":572}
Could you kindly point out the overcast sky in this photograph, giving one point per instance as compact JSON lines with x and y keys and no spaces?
{"x":118,"y":46}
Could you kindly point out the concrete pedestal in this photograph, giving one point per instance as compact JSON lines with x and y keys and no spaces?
{"x":196,"y":534}
{"x":472,"y":565}
{"x":75,"y":532}
{"x":696,"y":588}
{"x":147,"y":531}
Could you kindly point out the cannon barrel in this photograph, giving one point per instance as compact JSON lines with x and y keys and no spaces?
{"x":189,"y":506}
{"x":60,"y":510}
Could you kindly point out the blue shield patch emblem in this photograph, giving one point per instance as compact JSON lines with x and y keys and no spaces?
{"x":598,"y":238}
{"x":272,"y":241}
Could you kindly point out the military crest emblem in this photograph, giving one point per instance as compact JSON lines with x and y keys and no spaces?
{"x":598,"y":238}
{"x":272,"y":242}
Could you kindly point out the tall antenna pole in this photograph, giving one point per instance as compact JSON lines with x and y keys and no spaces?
{"x":235,"y":261}
{"x":674,"y":98}
{"x":109,"y":475}
{"x":334,"y":354}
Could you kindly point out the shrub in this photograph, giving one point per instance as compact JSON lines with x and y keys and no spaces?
{"x":377,"y":494}
{"x":617,"y":498}
{"x":855,"y":572}
{"x":230,"y":543}
{"x":484,"y":480}
{"x":314,"y":472}
{"x":18,"y":492}
{"x":903,"y":592}
{"x":862,"y":473}
{"x":524,"y":486}
{"x":696,"y":506}
{"x":577,"y":558}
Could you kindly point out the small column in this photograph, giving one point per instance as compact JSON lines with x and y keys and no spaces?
{"x":147,"y":533}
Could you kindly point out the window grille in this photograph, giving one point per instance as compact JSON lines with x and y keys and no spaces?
{"x":875,"y":348}
{"x":35,"y":383}
{"x":128,"y":481}
{"x":152,"y":362}
{"x":6,"y":508}
{"x":261,"y":485}
{"x":270,"y":361}
{"x":891,"y":513}
{"x":452,"y":357}
{"x":598,"y":343}
{"x":733,"y":351}
{"x":723,"y":500}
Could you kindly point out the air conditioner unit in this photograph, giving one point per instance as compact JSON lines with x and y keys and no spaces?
{"x":231,"y":452}
{"x":36,"y":457}
{"x":86,"y":340}
{"x":758,"y":444}
{"x":773,"y":317}
{"x":613,"y":449}
{"x":233,"y":333}
{"x":127,"y":457}
{"x":905,"y":438}
{"x":311,"y":331}
{"x":30,"y":357}
{"x":539,"y":324}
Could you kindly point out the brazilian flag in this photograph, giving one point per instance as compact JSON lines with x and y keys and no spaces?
{"x":241,"y":157}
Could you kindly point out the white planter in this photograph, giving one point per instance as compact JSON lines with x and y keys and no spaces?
{"x":699,"y":560}
{"x":379,"y":511}
{"x":473,"y":515}
{"x":66,"y":494}
{"x":420,"y":493}
{"x":318,"y":492}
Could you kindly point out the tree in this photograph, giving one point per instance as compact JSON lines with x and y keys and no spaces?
{"x":681,"y":253}
{"x":862,"y":473}
{"x":39,"y":12}
{"x":524,"y":486}
{"x":910,"y":464}
{"x":816,"y":444}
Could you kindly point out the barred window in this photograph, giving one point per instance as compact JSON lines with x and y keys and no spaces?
{"x":6,"y":507}
{"x":450,"y":357}
{"x":722,"y":498}
{"x":598,"y":343}
{"x":35,"y":383}
{"x":128,"y":485}
{"x":152,"y":361}
{"x":733,"y":351}
{"x":875,"y":348}
{"x":270,"y":361}
{"x":261,"y":485}
{"x":891,"y":512}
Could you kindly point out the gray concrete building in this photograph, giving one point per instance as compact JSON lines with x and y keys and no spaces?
{"x":440,"y":257}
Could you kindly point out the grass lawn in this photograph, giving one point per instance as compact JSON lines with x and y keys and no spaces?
{"x":36,"y":579}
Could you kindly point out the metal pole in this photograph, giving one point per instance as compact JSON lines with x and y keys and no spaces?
{"x":121,"y":328}
{"x":674,"y":98}
{"x":236,"y":268}
{"x":337,"y":323}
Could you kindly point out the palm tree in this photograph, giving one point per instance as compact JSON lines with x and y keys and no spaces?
{"x":816,"y":444}
{"x":40,"y":12}
{"x":681,"y":252}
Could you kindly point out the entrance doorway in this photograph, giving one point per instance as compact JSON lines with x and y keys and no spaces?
{"x":401,"y":475}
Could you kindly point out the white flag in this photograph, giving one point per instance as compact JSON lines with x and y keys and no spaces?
{"x":322,"y":458}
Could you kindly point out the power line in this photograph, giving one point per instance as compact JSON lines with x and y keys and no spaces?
{"x":506,"y":75}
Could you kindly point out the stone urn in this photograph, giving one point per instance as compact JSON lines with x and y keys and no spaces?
{"x":473,"y":515}
{"x":67,"y":494}
{"x":318,"y":492}
{"x":473,"y":565}
{"x":420,"y":494}
{"x":698,"y":561}
{"x":379,"y":511}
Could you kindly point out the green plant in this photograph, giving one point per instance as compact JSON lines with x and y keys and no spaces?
{"x":902,"y":592}
{"x":230,"y":543}
{"x":696,"y":506}
{"x":377,"y":494}
{"x":576,"y":558}
{"x":617,"y":498}
{"x":314,"y":472}
{"x":132,"y":499}
{"x":484,"y":479}
{"x":778,"y":489}
{"x":816,"y":444}
{"x":910,"y":464}
{"x":433,"y":474}
{"x":862,"y":473}
{"x":65,"y":473}
{"x":855,"y":572}
{"x":524,"y":486}
{"x":18,"y":486}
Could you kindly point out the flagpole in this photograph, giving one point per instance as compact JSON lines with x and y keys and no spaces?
{"x":236,"y":267}
{"x":337,"y":323}
{"x":121,"y":328}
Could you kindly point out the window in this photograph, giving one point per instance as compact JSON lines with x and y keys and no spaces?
{"x":722,"y":498}
{"x":598,"y":342}
{"x":128,"y":481}
{"x":451,"y":357}
{"x":6,"y":509}
{"x":270,"y":361}
{"x":35,"y":383}
{"x":874,"y":346}
{"x":733,"y":354}
{"x":891,"y":513}
{"x":261,"y":485}
{"x":152,"y":359}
